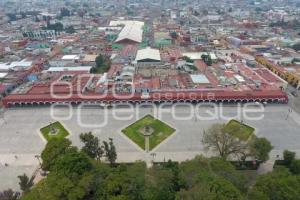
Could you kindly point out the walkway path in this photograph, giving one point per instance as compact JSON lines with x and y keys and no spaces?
{"x":266,"y":167}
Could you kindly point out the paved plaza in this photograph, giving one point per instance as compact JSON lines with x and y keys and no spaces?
{"x":20,"y":140}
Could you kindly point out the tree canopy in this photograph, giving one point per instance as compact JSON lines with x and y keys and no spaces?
{"x":110,"y":151}
{"x":207,"y":59}
{"x":78,"y":175}
{"x":25,"y":182}
{"x":261,"y":148}
{"x":218,"y":140}
{"x":102,"y":64}
{"x":91,"y":145}
{"x":279,"y":184}
{"x":53,"y":150}
{"x":70,"y":29}
{"x":296,"y":47}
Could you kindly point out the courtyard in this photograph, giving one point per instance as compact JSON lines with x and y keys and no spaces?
{"x":20,"y":141}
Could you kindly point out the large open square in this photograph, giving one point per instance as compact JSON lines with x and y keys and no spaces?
{"x":20,"y":140}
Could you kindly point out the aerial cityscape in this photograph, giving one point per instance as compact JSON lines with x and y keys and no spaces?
{"x":150,"y":100}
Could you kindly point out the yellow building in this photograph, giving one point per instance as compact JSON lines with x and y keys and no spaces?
{"x":292,"y":77}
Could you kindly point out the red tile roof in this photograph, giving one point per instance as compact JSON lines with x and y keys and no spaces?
{"x":2,"y":87}
{"x":200,"y":65}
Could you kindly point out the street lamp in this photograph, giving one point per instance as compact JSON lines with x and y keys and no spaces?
{"x":38,"y":158}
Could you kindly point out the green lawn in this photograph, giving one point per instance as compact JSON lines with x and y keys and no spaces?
{"x":160,"y":131}
{"x":62,"y":132}
{"x":241,"y":131}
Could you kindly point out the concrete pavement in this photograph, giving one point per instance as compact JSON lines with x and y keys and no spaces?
{"x":19,"y":133}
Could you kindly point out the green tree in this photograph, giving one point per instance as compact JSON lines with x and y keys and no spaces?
{"x":296,"y":47}
{"x":174,"y":35}
{"x":174,"y":167}
{"x":210,"y":178}
{"x":99,"y":61}
{"x":295,"y":167}
{"x":207,"y":59}
{"x":187,"y":59}
{"x":64,"y":12}
{"x":261,"y":148}
{"x":11,"y":16}
{"x":57,"y":186}
{"x":213,"y":188}
{"x":53,"y":150}
{"x":277,"y":185}
{"x":70,"y":29}
{"x":25,"y":182}
{"x":70,"y":178}
{"x":258,"y":9}
{"x":102,"y":64}
{"x":117,"y":186}
{"x":91,"y":145}
{"x":288,"y":157}
{"x":159,"y":185}
{"x":73,"y":165}
{"x":123,"y":182}
{"x":93,"y":70}
{"x":110,"y":151}
{"x":216,"y":139}
{"x":192,"y":169}
{"x":58,"y":27}
{"x":255,"y":194}
{"x":23,"y":15}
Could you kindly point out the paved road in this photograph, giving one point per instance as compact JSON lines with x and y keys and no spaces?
{"x":19,"y":133}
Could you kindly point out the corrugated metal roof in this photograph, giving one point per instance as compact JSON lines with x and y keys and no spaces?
{"x":148,"y":53}
{"x":61,"y":69}
{"x":70,"y":57}
{"x":22,"y":63}
{"x":133,"y":30}
{"x":2,"y":75}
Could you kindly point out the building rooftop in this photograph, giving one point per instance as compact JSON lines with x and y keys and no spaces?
{"x":70,"y":57}
{"x":199,"y":79}
{"x":89,"y":58}
{"x":22,"y":64}
{"x":133,"y":30}
{"x":2,"y":75}
{"x":76,"y":68}
{"x":194,"y":55}
{"x":148,"y":53}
